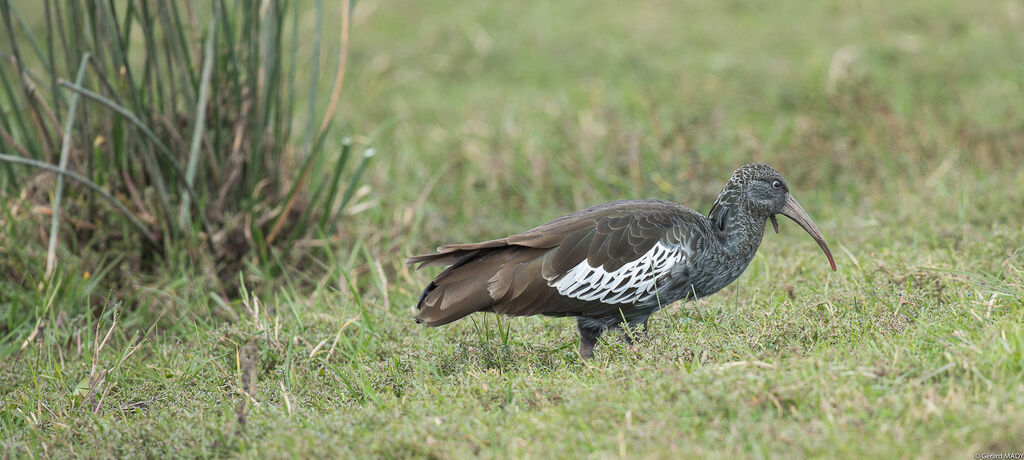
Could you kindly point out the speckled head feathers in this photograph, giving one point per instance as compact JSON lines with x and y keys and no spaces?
{"x":749,"y":172}
{"x":747,"y":186}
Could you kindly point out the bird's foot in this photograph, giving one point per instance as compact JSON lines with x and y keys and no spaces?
{"x":587,"y":353}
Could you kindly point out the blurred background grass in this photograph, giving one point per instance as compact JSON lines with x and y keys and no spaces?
{"x":531,"y":110}
{"x":899,"y":126}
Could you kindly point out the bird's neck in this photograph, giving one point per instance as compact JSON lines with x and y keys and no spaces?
{"x":741,"y":229}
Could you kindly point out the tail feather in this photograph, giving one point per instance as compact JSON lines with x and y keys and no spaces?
{"x":452,"y":253}
{"x":458,"y":291}
{"x":437,"y":260}
{"x":482,"y":277}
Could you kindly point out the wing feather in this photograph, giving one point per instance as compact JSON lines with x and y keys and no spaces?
{"x":598,"y":261}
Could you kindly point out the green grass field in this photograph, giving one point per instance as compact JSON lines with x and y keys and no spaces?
{"x":899,"y":126}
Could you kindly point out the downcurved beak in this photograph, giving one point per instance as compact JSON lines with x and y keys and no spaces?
{"x":793,"y":211}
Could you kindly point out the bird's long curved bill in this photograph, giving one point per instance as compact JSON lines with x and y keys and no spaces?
{"x":793,"y":211}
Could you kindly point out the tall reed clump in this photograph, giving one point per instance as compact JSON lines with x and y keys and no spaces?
{"x":173,"y":130}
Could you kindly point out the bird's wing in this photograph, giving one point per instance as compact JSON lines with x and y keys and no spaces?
{"x":603,"y":258}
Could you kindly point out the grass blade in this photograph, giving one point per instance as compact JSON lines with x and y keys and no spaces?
{"x":352,"y":183}
{"x":51,"y":63}
{"x":65,"y":149}
{"x":339,"y":167}
{"x":313,"y":74}
{"x":339,"y":77}
{"x":200,"y":124}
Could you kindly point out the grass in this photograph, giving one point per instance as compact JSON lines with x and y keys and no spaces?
{"x":185,"y":131}
{"x":898,"y":127}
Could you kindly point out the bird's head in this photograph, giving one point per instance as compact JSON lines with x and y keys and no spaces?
{"x":762,"y":191}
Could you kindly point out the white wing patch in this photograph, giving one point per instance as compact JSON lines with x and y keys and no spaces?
{"x":631,"y":283}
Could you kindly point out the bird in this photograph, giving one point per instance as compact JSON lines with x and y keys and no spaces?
{"x":613,"y":265}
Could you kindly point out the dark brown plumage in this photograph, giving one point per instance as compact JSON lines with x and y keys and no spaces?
{"x":614,"y":264}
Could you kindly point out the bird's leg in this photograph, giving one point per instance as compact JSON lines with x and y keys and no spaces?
{"x":590,"y":331}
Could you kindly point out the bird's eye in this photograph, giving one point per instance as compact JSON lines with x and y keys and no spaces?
{"x":776,"y":184}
